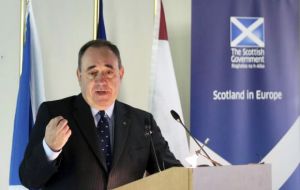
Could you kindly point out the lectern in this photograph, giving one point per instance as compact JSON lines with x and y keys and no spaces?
{"x":241,"y":177}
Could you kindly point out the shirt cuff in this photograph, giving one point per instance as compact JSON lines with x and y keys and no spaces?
{"x":51,"y":155}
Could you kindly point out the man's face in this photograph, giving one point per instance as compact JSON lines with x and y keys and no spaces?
{"x":100,"y":77}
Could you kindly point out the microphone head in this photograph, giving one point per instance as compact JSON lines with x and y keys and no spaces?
{"x":175,"y":115}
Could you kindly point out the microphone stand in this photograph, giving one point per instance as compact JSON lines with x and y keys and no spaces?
{"x":148,"y":132}
{"x":198,"y":152}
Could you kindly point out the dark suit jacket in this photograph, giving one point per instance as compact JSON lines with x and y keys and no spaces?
{"x":81,"y":165}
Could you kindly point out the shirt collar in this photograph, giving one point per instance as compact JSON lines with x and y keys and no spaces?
{"x":108,"y":111}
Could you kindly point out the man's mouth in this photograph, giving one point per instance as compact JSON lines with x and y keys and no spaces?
{"x":102,"y":92}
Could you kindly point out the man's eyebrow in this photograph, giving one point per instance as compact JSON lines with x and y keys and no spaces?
{"x":109,"y":66}
{"x":90,"y":67}
{"x":94,"y":66}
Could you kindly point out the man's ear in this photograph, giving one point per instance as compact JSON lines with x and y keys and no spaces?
{"x":121,"y":71}
{"x":78,"y":73}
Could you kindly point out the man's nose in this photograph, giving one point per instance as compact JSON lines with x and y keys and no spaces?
{"x":101,"y":77}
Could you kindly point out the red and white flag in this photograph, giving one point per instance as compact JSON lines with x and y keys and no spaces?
{"x":164,"y":94}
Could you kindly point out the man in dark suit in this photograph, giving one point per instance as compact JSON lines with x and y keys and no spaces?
{"x":93,"y":141}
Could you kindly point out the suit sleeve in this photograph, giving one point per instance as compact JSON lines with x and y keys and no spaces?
{"x":166,"y":158}
{"x":35,"y":169}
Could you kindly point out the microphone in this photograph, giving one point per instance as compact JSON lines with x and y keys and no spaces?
{"x":148,"y":133}
{"x":178,"y":119}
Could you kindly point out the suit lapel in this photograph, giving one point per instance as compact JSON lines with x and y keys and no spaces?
{"x":121,"y":128}
{"x":85,"y":122}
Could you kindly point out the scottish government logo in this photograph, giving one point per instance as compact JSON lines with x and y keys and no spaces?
{"x":247,"y":42}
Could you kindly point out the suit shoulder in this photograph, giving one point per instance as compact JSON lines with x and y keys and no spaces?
{"x":63,"y":101}
{"x":59,"y":106}
{"x":134,"y":109}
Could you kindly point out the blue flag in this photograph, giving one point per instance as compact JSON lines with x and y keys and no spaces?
{"x":30,"y":95}
{"x":23,"y":117}
{"x":101,"y":34}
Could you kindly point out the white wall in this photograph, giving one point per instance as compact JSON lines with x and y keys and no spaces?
{"x":9,"y":58}
{"x":63,"y":27}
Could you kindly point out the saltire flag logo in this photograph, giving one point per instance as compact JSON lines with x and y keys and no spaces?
{"x":247,"y":32}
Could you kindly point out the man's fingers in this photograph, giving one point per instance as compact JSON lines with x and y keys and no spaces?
{"x":62,"y":123}
{"x":58,"y":123}
{"x":68,"y":133}
{"x":65,"y":129}
{"x":57,"y":133}
{"x":57,"y":120}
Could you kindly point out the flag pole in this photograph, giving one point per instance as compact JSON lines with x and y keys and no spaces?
{"x":155,"y":7}
{"x":22,"y":32}
{"x":96,"y":15}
